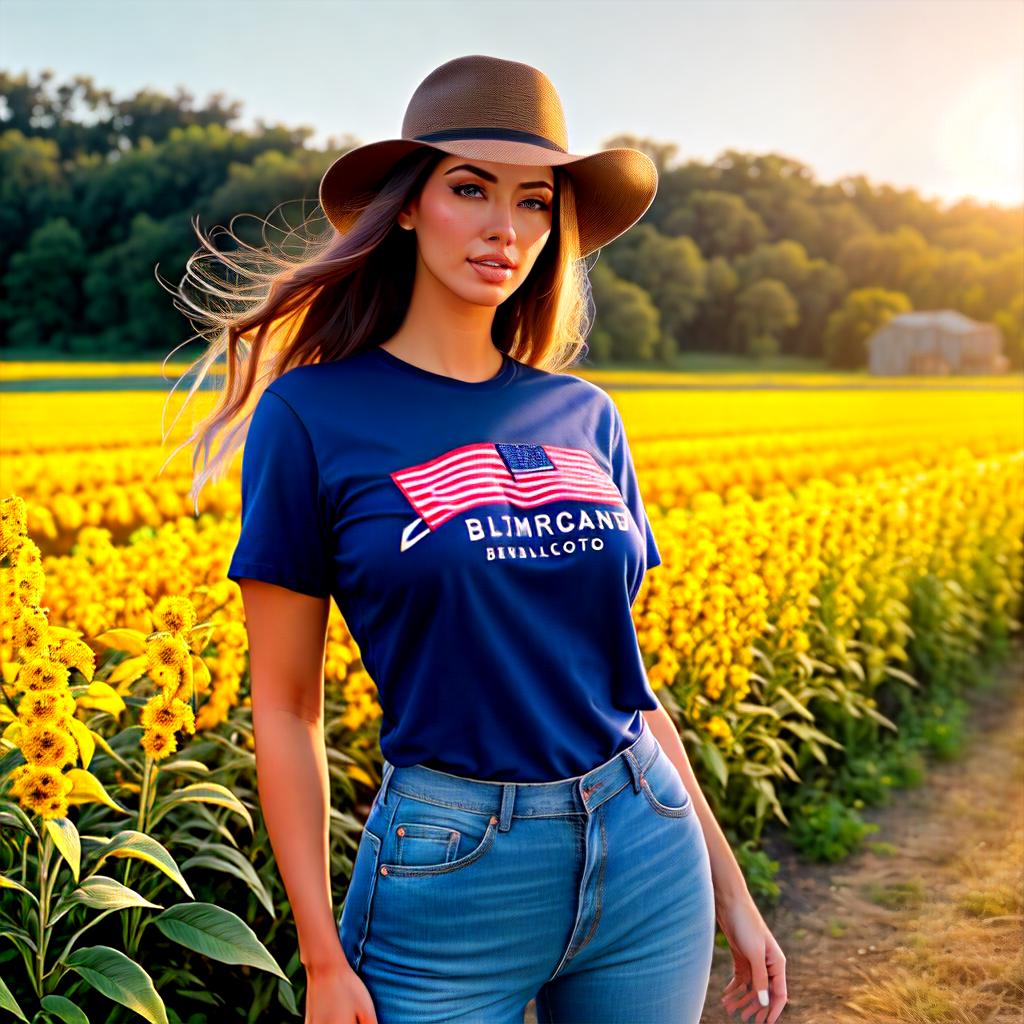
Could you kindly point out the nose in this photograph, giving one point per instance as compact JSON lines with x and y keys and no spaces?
{"x":503,"y":229}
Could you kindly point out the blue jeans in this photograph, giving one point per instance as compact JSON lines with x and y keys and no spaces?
{"x":593,"y":894}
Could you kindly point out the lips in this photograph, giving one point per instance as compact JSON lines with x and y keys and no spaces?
{"x":502,"y":260}
{"x":493,"y":275}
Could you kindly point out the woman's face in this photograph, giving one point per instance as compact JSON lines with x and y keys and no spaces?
{"x":470,"y":209}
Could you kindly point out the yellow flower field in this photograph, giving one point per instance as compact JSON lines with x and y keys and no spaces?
{"x":797,"y":528}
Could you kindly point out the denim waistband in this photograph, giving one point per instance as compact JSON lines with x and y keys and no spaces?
{"x":525,"y":799}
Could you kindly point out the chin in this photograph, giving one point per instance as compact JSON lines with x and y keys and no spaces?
{"x":485,"y":295}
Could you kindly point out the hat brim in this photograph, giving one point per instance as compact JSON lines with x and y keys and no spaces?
{"x":614,"y":187}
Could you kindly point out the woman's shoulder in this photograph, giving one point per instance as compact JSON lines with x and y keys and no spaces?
{"x":570,"y":384}
{"x":310,"y":380}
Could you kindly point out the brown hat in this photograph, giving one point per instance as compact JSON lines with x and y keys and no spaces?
{"x":507,"y":112}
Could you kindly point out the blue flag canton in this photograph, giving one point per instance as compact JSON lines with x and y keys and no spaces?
{"x":524,"y":458}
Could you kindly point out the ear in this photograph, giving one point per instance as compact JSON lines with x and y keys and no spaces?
{"x":405,"y":215}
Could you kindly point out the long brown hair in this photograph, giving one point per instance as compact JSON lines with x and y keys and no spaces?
{"x":342,"y":292}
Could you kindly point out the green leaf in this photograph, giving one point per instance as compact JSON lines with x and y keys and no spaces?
{"x":203,"y":793}
{"x":119,"y":978}
{"x":755,"y":709}
{"x":8,"y":1002}
{"x":65,"y":837}
{"x":232,"y":862}
{"x":793,"y":702}
{"x":185,"y":765}
{"x":19,"y":936}
{"x":218,"y":934}
{"x":898,"y":673}
{"x":102,"y":893}
{"x":714,"y":760}
{"x":129,"y":843}
{"x":766,"y":790}
{"x":61,"y":1007}
{"x":10,"y":883}
{"x":21,"y":819}
{"x":881,"y":719}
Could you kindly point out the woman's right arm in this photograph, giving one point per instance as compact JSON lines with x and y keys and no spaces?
{"x":287,"y":636}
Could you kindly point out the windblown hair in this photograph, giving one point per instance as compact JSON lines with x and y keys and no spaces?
{"x":343,"y":292}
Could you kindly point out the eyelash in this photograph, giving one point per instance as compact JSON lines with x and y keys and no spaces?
{"x":470,"y":184}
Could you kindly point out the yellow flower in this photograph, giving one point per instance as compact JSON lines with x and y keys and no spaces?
{"x":718,"y":727}
{"x":175,"y":614}
{"x":73,"y":653}
{"x":43,"y":791}
{"x":31,"y":625}
{"x":166,"y":658}
{"x":49,"y":707}
{"x":39,"y":674}
{"x":13,"y":523}
{"x":170,"y":716}
{"x":158,"y":743}
{"x":48,"y":746}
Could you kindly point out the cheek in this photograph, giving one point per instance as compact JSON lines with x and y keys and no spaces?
{"x":440,"y":216}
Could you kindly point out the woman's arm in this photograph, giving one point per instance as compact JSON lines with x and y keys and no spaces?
{"x":759,"y":965}
{"x":729,"y":883}
{"x":287,"y":637}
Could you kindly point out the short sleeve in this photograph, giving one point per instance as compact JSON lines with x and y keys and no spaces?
{"x":624,"y":475}
{"x":283,"y":537}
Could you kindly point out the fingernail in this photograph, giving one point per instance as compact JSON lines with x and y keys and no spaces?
{"x":762,"y":996}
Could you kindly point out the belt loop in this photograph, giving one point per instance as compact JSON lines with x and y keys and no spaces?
{"x":389,"y":769}
{"x":634,"y":769}
{"x":508,"y":799}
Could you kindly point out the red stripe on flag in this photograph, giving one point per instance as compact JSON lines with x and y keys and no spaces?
{"x":476,"y":474}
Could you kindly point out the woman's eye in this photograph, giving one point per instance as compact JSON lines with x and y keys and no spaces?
{"x":457,"y":189}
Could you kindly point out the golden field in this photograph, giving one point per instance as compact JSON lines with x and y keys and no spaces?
{"x":792,"y":525}
{"x":838,"y":565}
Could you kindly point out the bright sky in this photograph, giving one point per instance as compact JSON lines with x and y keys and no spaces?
{"x":913,"y":93}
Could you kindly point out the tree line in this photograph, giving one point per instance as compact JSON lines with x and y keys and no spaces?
{"x":747,"y":254}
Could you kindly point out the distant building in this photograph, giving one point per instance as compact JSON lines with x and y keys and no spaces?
{"x":936,"y":341}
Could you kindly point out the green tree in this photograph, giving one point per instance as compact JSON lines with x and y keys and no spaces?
{"x":764,"y":311}
{"x":1011,"y":322}
{"x":626,"y":326}
{"x":849,"y":327}
{"x":721,"y":224}
{"x":43,"y":294}
{"x":671,"y":271}
{"x":32,"y":189}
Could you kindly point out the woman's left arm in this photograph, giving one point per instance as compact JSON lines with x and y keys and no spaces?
{"x":757,"y":958}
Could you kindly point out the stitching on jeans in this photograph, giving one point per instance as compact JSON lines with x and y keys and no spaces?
{"x":471,"y":810}
{"x":600,"y":885}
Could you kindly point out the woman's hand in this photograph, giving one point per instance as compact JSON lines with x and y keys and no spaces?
{"x":758,"y":980}
{"x":335,"y":994}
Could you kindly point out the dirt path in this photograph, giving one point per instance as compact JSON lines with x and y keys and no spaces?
{"x":927,"y":930}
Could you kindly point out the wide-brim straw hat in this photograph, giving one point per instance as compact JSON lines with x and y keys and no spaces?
{"x":507,"y":112}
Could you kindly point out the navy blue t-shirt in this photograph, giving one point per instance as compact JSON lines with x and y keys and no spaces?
{"x":484,"y":542}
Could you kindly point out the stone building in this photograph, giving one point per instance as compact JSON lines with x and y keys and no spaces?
{"x":936,"y":341}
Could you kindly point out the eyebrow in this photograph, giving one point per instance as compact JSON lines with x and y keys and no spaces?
{"x":487,"y":176}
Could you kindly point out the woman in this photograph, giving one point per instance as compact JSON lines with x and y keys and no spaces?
{"x":416,"y":454}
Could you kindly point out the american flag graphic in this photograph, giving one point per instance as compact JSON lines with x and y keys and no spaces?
{"x":524,"y":475}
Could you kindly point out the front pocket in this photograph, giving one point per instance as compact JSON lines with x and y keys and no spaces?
{"x":664,"y":788}
{"x":421,"y":845}
{"x":355,"y":912}
{"x":434,"y":839}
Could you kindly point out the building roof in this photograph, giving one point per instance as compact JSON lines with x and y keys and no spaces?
{"x":945,"y":319}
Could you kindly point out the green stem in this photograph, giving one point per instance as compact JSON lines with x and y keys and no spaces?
{"x":131,"y":918}
{"x":44,"y":906}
